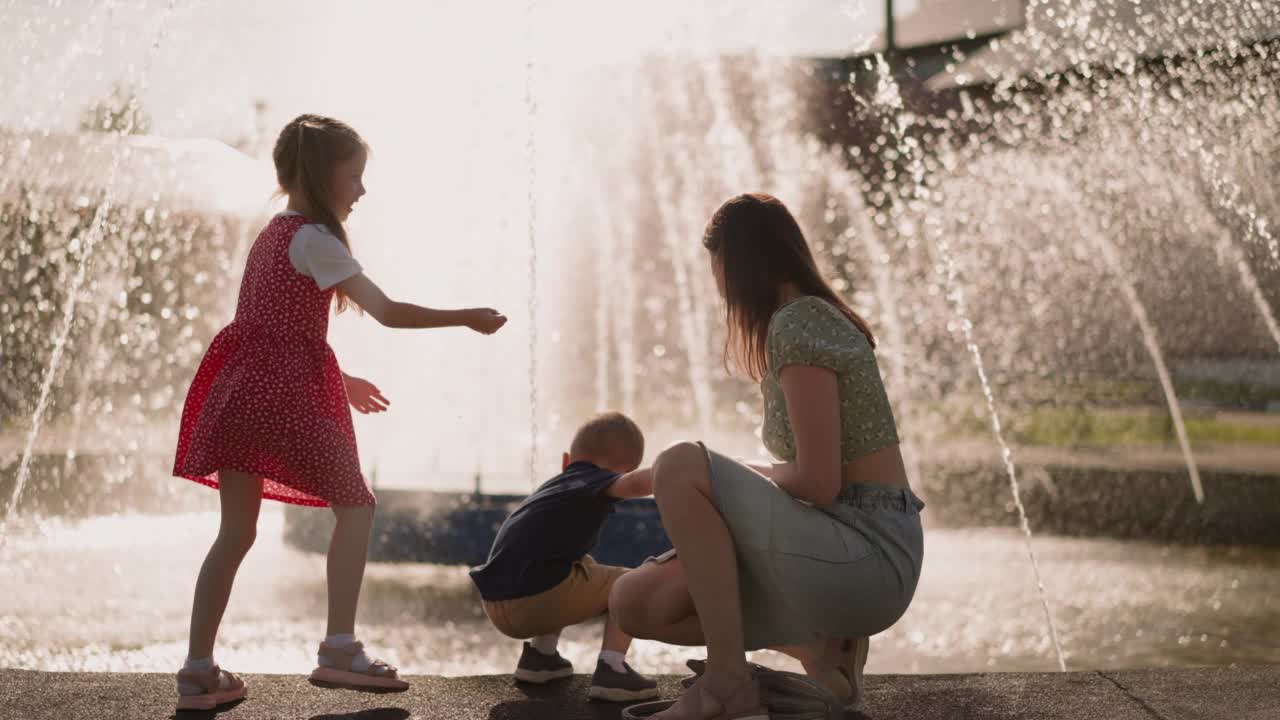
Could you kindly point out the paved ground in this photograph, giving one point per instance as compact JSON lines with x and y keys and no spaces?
{"x":1250,"y":693}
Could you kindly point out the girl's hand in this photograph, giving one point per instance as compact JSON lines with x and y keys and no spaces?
{"x":364,"y":396}
{"x":485,"y":320}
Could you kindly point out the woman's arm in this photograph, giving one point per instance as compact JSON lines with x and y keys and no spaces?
{"x":813,"y":406}
{"x":394,"y":314}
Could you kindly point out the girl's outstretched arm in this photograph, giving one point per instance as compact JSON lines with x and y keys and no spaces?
{"x":395,"y":314}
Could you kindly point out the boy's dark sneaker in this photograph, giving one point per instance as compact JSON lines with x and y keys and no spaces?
{"x":534,"y":667}
{"x":613,"y":686}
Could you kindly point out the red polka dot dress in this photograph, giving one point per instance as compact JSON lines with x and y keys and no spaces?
{"x":268,"y":398}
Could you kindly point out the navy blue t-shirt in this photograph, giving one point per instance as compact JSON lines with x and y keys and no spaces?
{"x":552,"y":529}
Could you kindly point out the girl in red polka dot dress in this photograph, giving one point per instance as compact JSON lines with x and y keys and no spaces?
{"x":267,"y":416}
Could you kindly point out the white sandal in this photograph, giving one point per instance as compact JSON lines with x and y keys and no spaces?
{"x":379,"y":677}
{"x":211,"y":694}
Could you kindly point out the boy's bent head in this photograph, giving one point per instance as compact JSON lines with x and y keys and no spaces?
{"x":611,"y":440}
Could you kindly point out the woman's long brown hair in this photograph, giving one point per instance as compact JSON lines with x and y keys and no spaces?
{"x":306,"y":153}
{"x":759,"y":247}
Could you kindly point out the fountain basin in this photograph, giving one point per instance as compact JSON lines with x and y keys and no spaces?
{"x":1134,"y":496}
{"x":454,"y":528}
{"x":1082,"y":495}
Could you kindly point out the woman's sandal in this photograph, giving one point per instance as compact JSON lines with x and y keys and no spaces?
{"x":212,"y":693}
{"x":756,"y":712}
{"x":699,"y":666}
{"x":849,"y":660}
{"x":380,"y":677}
{"x":788,"y":695}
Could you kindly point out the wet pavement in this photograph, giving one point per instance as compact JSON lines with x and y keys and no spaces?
{"x":1244,"y":693}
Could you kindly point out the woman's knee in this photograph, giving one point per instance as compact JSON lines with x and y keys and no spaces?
{"x":652,"y":596}
{"x":629,"y":602}
{"x":676,"y":466}
{"x":623,"y":605}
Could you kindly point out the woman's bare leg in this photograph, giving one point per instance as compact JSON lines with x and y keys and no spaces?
{"x":653,"y":602}
{"x":822,"y":659}
{"x":682,"y":487}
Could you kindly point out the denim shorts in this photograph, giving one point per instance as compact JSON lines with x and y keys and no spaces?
{"x":848,"y":569}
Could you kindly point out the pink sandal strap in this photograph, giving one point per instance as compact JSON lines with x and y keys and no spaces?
{"x":379,"y":668}
{"x":209,"y":681}
{"x":342,"y":658}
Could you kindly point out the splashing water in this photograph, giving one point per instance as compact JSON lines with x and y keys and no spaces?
{"x":1152,"y":343}
{"x":694,"y":351}
{"x":889,"y":97}
{"x":672,"y":136}
{"x":531,"y":168}
{"x":675,"y":234}
{"x":626,"y":328}
{"x":956,"y":294}
{"x":1225,"y":194}
{"x":1250,"y":283}
{"x":604,"y":312}
{"x":88,"y":243}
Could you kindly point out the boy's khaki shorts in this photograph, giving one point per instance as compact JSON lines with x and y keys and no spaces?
{"x":578,"y":598}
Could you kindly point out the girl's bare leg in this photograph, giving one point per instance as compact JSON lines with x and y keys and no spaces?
{"x":348,"y":552}
{"x":240,"y":495}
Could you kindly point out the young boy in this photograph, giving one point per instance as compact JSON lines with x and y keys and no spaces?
{"x":539,"y":578}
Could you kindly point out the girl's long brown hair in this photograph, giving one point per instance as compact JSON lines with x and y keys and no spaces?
{"x":759,"y":247}
{"x":306,"y":153}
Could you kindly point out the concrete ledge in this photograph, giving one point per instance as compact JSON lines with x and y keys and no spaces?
{"x":1248,"y":693}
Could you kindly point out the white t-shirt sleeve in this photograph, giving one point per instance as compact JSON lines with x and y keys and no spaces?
{"x":320,"y":255}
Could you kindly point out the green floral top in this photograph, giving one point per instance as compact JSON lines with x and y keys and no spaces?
{"x":811,"y":331}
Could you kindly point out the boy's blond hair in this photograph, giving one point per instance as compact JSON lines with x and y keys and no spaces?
{"x":610,"y":440}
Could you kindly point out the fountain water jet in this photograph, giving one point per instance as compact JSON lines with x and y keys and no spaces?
{"x":91,"y":238}
{"x":675,"y":209}
{"x":900,"y":271}
{"x":889,"y":97}
{"x":625,"y":335}
{"x":694,"y":351}
{"x":1250,"y":283}
{"x":604,"y":310}
{"x":1224,"y":193}
{"x":1152,"y":343}
{"x":956,"y":295}
{"x":531,"y":198}
{"x":115,"y":285}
